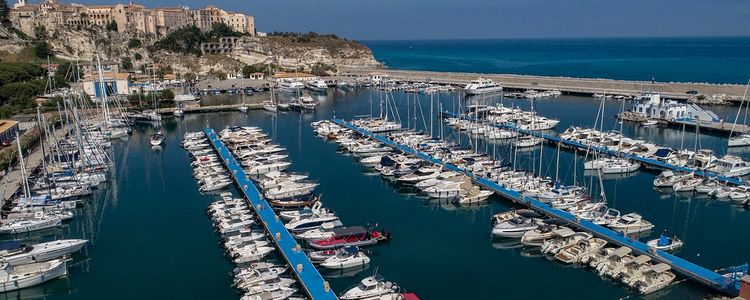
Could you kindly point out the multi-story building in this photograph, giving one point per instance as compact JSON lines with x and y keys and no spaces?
{"x":129,"y":17}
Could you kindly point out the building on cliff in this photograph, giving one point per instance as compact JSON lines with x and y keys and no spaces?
{"x":131,"y":17}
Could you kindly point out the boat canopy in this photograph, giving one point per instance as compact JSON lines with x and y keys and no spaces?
{"x":10,"y":245}
{"x":661,"y":267}
{"x":346,"y":231}
{"x":664,"y":241}
{"x":565,"y":232}
{"x":641,"y":259}
{"x":663,"y":152}
{"x":622,"y":251}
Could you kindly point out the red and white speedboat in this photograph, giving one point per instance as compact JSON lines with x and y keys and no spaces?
{"x":351,"y":236}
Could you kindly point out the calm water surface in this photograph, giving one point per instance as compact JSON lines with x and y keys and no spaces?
{"x":151,"y":240}
{"x":695,"y":59}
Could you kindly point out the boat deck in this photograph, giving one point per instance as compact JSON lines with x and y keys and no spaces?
{"x":603,"y":150}
{"x":688,"y":269}
{"x":311,"y":281}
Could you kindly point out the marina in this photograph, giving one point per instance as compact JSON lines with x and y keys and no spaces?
{"x":707,"y":277}
{"x":470,"y":223}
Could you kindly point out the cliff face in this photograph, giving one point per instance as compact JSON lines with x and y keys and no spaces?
{"x":291,"y":52}
{"x":303,"y":52}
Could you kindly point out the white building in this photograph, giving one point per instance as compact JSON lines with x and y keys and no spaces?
{"x":651,"y":105}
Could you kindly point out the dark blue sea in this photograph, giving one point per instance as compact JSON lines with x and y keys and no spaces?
{"x":702,"y":59}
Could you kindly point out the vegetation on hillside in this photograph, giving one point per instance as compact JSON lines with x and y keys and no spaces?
{"x":187,"y":40}
{"x":20,"y":83}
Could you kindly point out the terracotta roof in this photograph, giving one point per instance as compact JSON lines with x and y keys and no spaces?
{"x":7,"y":124}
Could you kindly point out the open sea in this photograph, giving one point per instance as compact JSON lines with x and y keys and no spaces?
{"x":696,"y":59}
{"x":150,"y":238}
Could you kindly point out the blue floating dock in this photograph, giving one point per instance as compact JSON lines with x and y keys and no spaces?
{"x":603,"y":150}
{"x":312,"y":282}
{"x":688,"y":269}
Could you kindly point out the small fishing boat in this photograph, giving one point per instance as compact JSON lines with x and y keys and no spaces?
{"x":650,"y":122}
{"x":665,"y":243}
{"x":687,"y":185}
{"x":23,"y":276}
{"x":269,"y":106}
{"x":157,"y":139}
{"x":654,"y":279}
{"x":575,"y":253}
{"x":243,"y":108}
{"x":475,"y":195}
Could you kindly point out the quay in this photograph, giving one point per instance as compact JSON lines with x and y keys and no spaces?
{"x":211,"y":108}
{"x":11,"y":182}
{"x":312,"y":282}
{"x":567,"y":85}
{"x":712,"y":279}
{"x":603,"y":150}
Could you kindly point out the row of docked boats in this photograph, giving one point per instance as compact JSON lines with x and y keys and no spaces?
{"x":429,"y":178}
{"x":74,"y":164}
{"x":258,"y":274}
{"x":687,"y":183}
{"x":532,"y":228}
{"x":699,"y":159}
{"x":332,"y":246}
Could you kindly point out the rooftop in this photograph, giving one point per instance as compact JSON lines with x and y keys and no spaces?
{"x":7,"y":124}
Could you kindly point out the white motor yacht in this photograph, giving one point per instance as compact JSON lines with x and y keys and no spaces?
{"x":612,"y":165}
{"x":25,"y":254}
{"x":631,"y":223}
{"x":369,"y":288}
{"x":482,"y":86}
{"x":345,"y":258}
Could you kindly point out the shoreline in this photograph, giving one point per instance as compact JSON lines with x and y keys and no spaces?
{"x":569,"y":85}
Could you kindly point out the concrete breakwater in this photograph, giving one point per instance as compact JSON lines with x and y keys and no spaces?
{"x":672,"y":90}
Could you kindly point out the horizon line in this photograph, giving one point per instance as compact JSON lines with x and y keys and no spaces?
{"x":553,"y":38}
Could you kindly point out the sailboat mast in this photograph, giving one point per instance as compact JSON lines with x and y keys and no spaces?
{"x":25,"y":180}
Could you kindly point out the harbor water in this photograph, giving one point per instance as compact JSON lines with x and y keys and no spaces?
{"x":693,"y":59}
{"x":150,"y":238}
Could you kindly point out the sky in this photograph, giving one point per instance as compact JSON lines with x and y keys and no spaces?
{"x":475,"y":19}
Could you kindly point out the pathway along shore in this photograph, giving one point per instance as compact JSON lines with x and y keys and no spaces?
{"x":672,"y":90}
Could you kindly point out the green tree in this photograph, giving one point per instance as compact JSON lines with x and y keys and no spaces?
{"x":189,"y":76}
{"x":166,"y":94}
{"x":134,"y":43}
{"x":15,"y":72}
{"x":163,"y":71}
{"x":42,"y":49}
{"x":137,"y":56}
{"x":126,"y":63}
{"x":111,"y":26}
{"x":40,"y":32}
{"x":5,"y":14}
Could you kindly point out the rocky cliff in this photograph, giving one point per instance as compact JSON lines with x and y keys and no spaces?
{"x":301,"y":52}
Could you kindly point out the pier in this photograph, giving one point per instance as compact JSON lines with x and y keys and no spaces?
{"x":310,"y":279}
{"x":605,"y":151}
{"x":211,"y":108}
{"x":707,"y":277}
{"x":568,"y":85}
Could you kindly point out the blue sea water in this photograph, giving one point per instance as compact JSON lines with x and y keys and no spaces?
{"x":150,"y":238}
{"x":703,"y":59}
